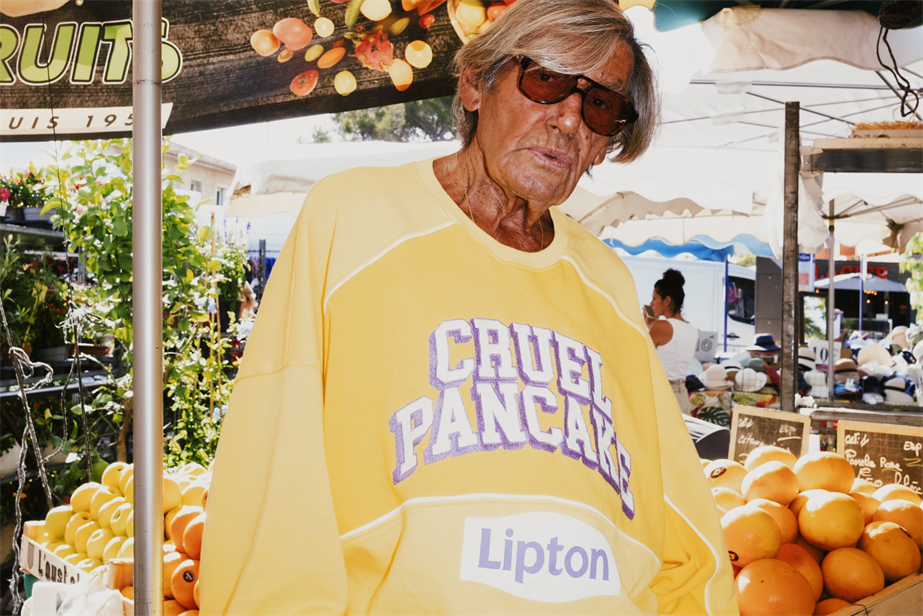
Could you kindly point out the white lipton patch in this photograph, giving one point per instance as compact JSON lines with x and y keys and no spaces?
{"x":540,"y":556}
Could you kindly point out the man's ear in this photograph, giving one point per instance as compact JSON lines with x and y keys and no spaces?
{"x":468,"y":89}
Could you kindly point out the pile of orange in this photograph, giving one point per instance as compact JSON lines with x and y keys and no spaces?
{"x":806,"y":536}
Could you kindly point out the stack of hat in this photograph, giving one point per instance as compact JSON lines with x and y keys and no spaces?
{"x":715,"y":378}
{"x":845,"y":369}
{"x":898,"y":390}
{"x":732,"y":367}
{"x":872,"y":391}
{"x":749,"y":380}
{"x":817,"y":381}
{"x":806,"y":359}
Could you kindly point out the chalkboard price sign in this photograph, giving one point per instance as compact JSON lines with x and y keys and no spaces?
{"x":883,"y":453}
{"x":754,"y":427}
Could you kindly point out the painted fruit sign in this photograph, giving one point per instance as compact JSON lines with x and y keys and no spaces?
{"x":65,"y":68}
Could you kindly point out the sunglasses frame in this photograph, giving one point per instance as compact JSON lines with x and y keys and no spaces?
{"x":524,"y":63}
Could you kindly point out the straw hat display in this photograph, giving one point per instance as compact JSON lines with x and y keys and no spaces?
{"x":872,"y":351}
{"x":715,"y":377}
{"x":806,"y":359}
{"x":845,"y":369}
{"x":749,"y":380}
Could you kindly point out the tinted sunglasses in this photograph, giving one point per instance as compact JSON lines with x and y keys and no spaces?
{"x":604,"y":112}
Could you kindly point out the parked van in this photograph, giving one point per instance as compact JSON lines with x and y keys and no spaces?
{"x":707,"y":297}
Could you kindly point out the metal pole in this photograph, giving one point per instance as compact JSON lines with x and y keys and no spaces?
{"x":148,"y":313}
{"x":861,"y":288}
{"x":790,"y":258}
{"x":831,"y":303}
{"x":727,"y":284}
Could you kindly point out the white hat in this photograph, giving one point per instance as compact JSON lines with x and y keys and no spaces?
{"x":806,"y":358}
{"x":716,"y":378}
{"x":872,"y":351}
{"x":750,"y":380}
{"x":895,"y":391}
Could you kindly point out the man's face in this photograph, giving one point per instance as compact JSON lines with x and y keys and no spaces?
{"x":538,"y":152}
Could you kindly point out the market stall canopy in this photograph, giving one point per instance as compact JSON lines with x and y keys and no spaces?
{"x":720,"y":141}
{"x":672,"y":14}
{"x":852,"y":282}
{"x":65,"y":70}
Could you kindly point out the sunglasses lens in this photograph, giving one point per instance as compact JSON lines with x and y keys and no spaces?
{"x":604,"y":111}
{"x":544,"y":86}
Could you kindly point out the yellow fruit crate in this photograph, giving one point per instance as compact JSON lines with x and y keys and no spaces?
{"x":902,"y":597}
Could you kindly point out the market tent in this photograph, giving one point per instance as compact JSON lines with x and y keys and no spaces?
{"x":853,"y":282}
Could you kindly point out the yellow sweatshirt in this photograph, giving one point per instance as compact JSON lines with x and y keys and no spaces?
{"x":427,"y":421}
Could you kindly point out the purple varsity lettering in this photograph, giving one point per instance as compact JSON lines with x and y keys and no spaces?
{"x":571,"y":357}
{"x":577,"y":443}
{"x":510,"y":370}
{"x":532,"y":397}
{"x":493,"y":414}
{"x":441,"y":375}
{"x":452,"y":433}
{"x":492,"y":350}
{"x":409,"y":425}
{"x":535,"y":364}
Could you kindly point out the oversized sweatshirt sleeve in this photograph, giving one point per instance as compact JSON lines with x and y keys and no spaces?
{"x":696,"y":576}
{"x":271,"y":543}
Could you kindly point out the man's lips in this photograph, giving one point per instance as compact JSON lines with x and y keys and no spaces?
{"x":555,"y":158}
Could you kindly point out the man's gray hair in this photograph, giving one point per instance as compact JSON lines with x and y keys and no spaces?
{"x":572,"y":37}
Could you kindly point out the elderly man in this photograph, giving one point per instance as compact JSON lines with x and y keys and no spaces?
{"x":449,"y":403}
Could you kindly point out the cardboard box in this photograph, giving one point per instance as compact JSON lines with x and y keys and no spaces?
{"x":902,"y":597}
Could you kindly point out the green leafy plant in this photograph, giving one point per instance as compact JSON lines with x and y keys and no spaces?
{"x":34,"y":295}
{"x":93,"y":193}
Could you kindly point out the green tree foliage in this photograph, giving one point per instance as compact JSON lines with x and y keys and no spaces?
{"x":426,"y":120}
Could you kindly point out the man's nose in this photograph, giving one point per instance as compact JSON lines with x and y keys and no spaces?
{"x":568,"y":113}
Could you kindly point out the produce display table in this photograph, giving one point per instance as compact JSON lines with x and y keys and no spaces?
{"x":902,"y":597}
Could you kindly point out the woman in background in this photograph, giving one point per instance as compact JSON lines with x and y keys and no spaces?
{"x":674,"y":337}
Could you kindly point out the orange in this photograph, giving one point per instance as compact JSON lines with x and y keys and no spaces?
{"x":204,"y":498}
{"x":190,"y":613}
{"x":831,"y":521}
{"x":894,"y":491}
{"x":769,"y":453}
{"x":725,"y":474}
{"x":128,"y":592}
{"x":192,"y":537}
{"x":816,"y":553}
{"x":172,"y":608}
{"x":892,"y":547}
{"x":851,"y":574}
{"x":183,"y":582}
{"x":171,"y":560}
{"x":195,"y":593}
{"x":863,"y":485}
{"x":184,"y":516}
{"x":770,"y":587}
{"x":750,"y":534}
{"x":804,"y":563}
{"x":788,"y":524}
{"x":829,"y":606}
{"x":868,"y":503}
{"x":825,"y":470}
{"x":903,"y":513}
{"x":773,"y":481}
{"x":727,"y":499}
{"x":801,"y":499}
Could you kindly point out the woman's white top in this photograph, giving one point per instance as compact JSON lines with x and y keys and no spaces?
{"x":677,"y":354}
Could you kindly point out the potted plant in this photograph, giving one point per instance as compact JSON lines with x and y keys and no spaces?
{"x":23,"y":196}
